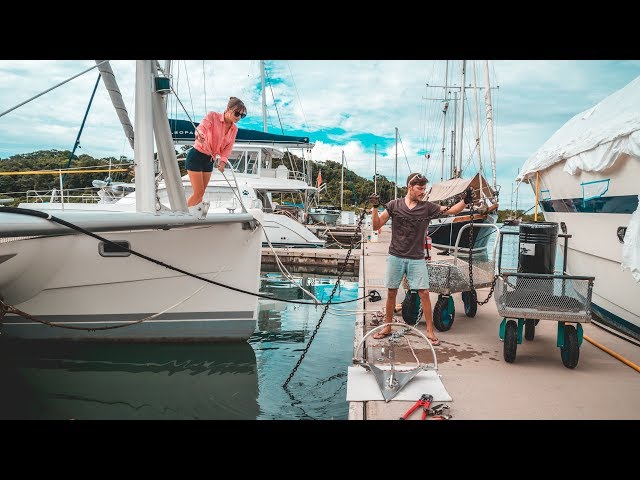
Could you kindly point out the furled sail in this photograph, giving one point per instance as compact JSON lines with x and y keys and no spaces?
{"x":110,"y":83}
{"x":456,"y":186}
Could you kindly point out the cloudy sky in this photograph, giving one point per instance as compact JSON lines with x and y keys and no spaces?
{"x":346,"y":107}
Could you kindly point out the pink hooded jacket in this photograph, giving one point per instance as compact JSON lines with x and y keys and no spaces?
{"x":210,"y":137}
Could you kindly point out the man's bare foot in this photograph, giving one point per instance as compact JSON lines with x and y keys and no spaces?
{"x":385,"y":332}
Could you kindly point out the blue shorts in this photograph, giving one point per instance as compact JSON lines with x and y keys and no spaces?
{"x":198,"y":162}
{"x":415,"y":269}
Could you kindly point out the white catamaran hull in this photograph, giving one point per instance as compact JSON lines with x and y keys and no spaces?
{"x":68,"y":279}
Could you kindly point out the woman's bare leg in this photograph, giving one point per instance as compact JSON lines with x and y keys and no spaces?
{"x":197,"y":185}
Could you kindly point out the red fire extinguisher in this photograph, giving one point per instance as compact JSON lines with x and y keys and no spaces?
{"x":427,"y":248}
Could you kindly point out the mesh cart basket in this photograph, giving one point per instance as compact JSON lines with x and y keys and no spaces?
{"x":523,"y":299}
{"x":452,"y":275}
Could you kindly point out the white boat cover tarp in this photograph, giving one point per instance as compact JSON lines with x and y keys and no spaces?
{"x":631,"y":249}
{"x":594,"y":139}
{"x":449,"y":188}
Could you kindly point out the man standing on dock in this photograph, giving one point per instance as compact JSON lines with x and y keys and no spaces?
{"x":411,"y":216}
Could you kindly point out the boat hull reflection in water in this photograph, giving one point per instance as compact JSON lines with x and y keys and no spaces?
{"x":47,"y":380}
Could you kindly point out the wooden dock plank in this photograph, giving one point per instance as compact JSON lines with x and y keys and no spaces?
{"x":321,"y":261}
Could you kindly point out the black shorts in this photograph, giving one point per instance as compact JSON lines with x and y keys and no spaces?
{"x":198,"y":162}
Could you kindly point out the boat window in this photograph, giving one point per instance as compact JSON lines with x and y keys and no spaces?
{"x":253,"y":162}
{"x":267,"y":207}
{"x":120,"y":249}
{"x":238,"y":160}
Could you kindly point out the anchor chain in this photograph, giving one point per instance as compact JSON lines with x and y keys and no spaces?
{"x":343,"y":267}
{"x":474,"y":293}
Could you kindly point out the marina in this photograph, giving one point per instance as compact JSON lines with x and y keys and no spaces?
{"x":75,"y":380}
{"x":267,"y":300}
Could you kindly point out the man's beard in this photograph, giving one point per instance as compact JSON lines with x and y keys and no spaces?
{"x":418,"y":197}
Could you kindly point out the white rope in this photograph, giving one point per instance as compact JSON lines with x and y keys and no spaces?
{"x":286,"y":272}
{"x":172,"y":306}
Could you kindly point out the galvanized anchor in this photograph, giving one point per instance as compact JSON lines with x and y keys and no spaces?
{"x":391,"y":381}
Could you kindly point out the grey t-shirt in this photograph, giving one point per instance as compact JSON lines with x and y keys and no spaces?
{"x":409,"y":227}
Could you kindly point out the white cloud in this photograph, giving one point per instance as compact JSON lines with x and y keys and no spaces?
{"x":343,"y":106}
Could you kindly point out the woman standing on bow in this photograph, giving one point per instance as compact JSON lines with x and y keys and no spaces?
{"x":215,"y":136}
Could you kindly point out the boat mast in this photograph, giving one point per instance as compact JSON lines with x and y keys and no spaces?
{"x":475,"y":91}
{"x":444,"y":117}
{"x":395,"y":189}
{"x":452,"y":160}
{"x":458,"y":172}
{"x":375,"y":168}
{"x":517,"y":188}
{"x":143,"y":145}
{"x":511,"y":202}
{"x":264,"y":98}
{"x":342,"y":181}
{"x":167,"y":72}
{"x":167,"y":160}
{"x":487,"y":99}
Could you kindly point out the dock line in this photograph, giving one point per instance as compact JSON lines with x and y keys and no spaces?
{"x":373,"y":295}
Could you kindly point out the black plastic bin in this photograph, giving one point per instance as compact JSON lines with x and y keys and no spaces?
{"x":537,"y":247}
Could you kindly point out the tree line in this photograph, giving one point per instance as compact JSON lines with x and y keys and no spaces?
{"x":355,"y":191}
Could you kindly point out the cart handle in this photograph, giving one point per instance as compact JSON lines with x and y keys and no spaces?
{"x":544,"y":275}
{"x":495,"y":242}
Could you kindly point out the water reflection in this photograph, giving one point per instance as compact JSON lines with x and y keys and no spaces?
{"x":317,"y":390}
{"x":240,"y":381}
{"x":127,"y":381}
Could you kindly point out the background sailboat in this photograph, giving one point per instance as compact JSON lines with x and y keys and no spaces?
{"x":513,"y":219}
{"x":455,"y":159}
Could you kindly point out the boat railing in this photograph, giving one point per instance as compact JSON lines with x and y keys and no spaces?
{"x":295,"y":175}
{"x":283,"y":173}
{"x":61,"y":196}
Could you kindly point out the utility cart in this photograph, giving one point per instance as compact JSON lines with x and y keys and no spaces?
{"x":449,"y":276}
{"x":535,"y":291}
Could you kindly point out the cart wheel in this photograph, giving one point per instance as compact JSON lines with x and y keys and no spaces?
{"x":570,"y":352}
{"x":444,"y":313}
{"x":510,"y":341}
{"x":411,"y":308}
{"x":530,"y":328}
{"x":470,"y":299}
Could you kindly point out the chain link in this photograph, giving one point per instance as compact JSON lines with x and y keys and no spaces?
{"x":474,"y":293}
